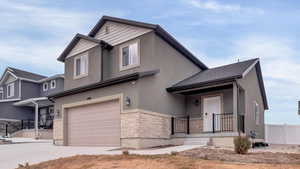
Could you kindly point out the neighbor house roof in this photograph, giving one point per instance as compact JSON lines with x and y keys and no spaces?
{"x":75,"y":40}
{"x":219,"y":75}
{"x":105,"y":83}
{"x":157,"y":29}
{"x":25,"y":75}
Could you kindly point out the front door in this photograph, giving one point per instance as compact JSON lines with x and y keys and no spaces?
{"x":211,"y":105}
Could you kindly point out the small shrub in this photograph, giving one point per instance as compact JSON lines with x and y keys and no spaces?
{"x":242,"y":144}
{"x":174,"y":153}
{"x":26,"y":166}
{"x":125,"y":152}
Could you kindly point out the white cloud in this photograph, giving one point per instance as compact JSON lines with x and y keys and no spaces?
{"x":215,"y":6}
{"x":48,"y":30}
{"x":277,"y":54}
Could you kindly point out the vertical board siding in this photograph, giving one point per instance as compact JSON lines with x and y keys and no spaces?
{"x":119,"y":33}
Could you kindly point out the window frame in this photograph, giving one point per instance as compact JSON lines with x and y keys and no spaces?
{"x":81,"y":57}
{"x":53,"y":82}
{"x":131,"y":66}
{"x":1,"y":93}
{"x":45,"y":86}
{"x":256,"y":113}
{"x":12,"y":92}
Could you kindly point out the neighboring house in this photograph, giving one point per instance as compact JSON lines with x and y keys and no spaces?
{"x":21,"y":94}
{"x":131,"y":84}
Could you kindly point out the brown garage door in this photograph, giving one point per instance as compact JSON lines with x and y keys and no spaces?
{"x":94,"y":125}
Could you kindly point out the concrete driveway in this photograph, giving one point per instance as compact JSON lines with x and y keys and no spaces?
{"x":32,"y":151}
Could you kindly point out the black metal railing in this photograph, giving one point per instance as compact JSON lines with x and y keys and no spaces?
{"x":27,"y":124}
{"x":180,"y":125}
{"x":241,"y":123}
{"x":222,"y":122}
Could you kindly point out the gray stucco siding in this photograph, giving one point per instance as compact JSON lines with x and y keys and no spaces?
{"x":197,"y":110}
{"x":128,"y":89}
{"x":173,"y":66}
{"x":94,"y":70}
{"x":252,"y":94}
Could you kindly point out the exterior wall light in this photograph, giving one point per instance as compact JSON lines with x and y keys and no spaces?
{"x":127,"y":101}
{"x":197,"y":102}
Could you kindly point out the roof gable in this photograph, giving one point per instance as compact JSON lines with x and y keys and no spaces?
{"x":81,"y":46}
{"x":14,"y":74}
{"x":222,"y":74}
{"x":116,"y":33}
{"x":85,"y":43}
{"x":158,"y":30}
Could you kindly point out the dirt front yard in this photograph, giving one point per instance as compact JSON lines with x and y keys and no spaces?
{"x":149,"y":162}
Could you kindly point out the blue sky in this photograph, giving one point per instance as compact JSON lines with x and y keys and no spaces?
{"x":34,"y":32}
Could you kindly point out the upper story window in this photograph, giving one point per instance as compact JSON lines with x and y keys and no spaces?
{"x":52,"y":84}
{"x":1,"y":93}
{"x":81,"y":65}
{"x":45,"y":86}
{"x":129,"y":55}
{"x":256,"y":113}
{"x":10,"y":90}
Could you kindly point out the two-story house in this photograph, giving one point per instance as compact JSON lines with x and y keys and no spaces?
{"x":23,"y":98}
{"x":132,"y":84}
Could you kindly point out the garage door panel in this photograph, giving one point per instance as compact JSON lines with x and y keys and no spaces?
{"x":94,"y":125}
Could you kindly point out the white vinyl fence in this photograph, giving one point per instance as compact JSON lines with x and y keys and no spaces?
{"x":282,"y":134}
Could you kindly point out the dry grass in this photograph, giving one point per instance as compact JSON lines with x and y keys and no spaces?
{"x":148,"y":162}
{"x":231,"y":156}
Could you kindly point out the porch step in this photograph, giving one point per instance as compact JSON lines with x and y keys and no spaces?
{"x":197,"y":141}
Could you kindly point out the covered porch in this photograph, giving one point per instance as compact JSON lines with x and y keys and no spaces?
{"x":43,"y":116}
{"x":216,"y":109}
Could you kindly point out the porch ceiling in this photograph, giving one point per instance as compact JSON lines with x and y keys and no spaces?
{"x":41,"y":101}
{"x":207,"y":89}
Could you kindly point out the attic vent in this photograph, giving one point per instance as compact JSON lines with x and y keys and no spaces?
{"x":106,"y":29}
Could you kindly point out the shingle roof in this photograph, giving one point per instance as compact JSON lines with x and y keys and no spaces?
{"x":26,"y":75}
{"x":231,"y":71}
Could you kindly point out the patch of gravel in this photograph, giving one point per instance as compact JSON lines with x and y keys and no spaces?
{"x":252,"y":157}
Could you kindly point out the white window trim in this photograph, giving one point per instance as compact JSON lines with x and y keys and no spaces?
{"x":45,"y":86}
{"x":12,"y":92}
{"x":87,"y":66}
{"x":122,"y":68}
{"x":54,"y":84}
{"x":2,"y":93}
{"x":256,"y":114}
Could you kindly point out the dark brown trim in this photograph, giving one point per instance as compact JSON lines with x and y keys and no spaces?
{"x":203,"y":84}
{"x":113,"y":81}
{"x":160,"y":32}
{"x":76,"y":39}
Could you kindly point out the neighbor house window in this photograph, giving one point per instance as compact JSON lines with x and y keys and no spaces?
{"x":1,"y":93}
{"x":129,"y":55}
{"x":53,"y":84}
{"x":10,"y":90}
{"x":81,"y":66}
{"x":256,"y":112}
{"x":45,"y":86}
{"x":107,"y":29}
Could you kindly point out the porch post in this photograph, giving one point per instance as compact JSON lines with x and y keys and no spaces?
{"x":235,"y":106}
{"x":36,"y":121}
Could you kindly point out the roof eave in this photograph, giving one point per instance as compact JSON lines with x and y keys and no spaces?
{"x":197,"y":85}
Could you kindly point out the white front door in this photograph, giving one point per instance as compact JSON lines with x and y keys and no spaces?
{"x":211,"y":105}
